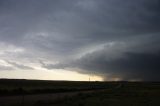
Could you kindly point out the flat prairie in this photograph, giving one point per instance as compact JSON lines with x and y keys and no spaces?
{"x":14,"y":92}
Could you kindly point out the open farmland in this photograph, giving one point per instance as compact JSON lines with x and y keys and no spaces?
{"x":72,"y":93}
{"x":19,"y":87}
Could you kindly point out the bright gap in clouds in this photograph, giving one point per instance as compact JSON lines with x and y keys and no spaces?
{"x":58,"y":74}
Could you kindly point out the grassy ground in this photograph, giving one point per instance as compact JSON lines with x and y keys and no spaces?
{"x":113,"y":93}
{"x":128,"y":94}
{"x":18,"y":87}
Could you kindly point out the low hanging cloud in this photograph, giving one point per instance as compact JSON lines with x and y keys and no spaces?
{"x":129,"y":67}
{"x":53,"y":66}
{"x":20,"y":66}
{"x":119,"y":60}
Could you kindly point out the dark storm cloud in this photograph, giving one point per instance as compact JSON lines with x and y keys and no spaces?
{"x":81,"y":22}
{"x":130,"y":66}
{"x":127,"y":60}
{"x":106,"y":36}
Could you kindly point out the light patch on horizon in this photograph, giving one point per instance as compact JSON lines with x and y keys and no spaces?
{"x":43,"y":74}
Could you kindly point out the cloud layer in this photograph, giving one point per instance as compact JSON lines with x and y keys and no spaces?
{"x":115,"y":39}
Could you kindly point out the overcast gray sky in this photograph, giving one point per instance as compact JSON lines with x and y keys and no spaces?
{"x":113,"y":39}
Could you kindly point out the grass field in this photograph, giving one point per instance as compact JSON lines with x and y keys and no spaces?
{"x":70,"y":93}
{"x":129,"y":94}
{"x":18,"y":87}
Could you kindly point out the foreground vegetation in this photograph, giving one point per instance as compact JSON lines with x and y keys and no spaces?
{"x":128,"y":94}
{"x":18,"y":86}
{"x":86,"y":93}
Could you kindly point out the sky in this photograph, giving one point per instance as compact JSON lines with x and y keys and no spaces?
{"x":99,"y":40}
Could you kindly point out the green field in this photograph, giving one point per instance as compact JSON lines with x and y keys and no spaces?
{"x":102,"y":93}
